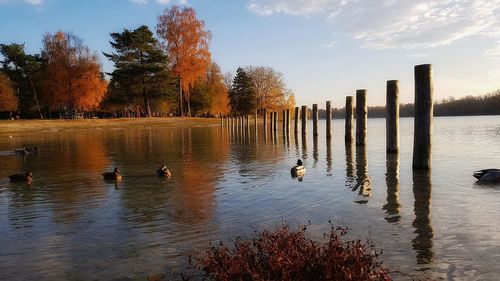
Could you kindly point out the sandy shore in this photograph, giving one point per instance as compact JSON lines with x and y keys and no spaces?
{"x":9,"y":127}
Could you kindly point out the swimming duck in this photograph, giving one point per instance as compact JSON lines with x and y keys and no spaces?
{"x":487,"y":176}
{"x":164,"y":172}
{"x":26,"y":177}
{"x":298,"y":170}
{"x":115,"y":175}
{"x":26,"y":150}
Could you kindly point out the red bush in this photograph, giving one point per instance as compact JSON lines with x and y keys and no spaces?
{"x":285,"y":254}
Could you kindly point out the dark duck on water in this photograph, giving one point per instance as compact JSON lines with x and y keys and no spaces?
{"x":487,"y":176}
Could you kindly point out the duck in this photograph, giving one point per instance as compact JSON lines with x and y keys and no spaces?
{"x":26,"y":177}
{"x":26,"y":150}
{"x":298,"y":170}
{"x":115,"y":175}
{"x":487,"y":176}
{"x":163,"y":171}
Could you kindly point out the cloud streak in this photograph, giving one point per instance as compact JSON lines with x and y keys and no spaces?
{"x":382,"y":24}
{"x":30,"y":2}
{"x":165,"y":2}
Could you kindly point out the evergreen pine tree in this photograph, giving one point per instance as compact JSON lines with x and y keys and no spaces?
{"x":242,"y":96}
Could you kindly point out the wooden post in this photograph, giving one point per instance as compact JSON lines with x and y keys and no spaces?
{"x":303,"y":117}
{"x":361,"y":116}
{"x":275,"y":126}
{"x":315,"y":119}
{"x":256,"y":117}
{"x":392,"y":116}
{"x":287,"y":127}
{"x":283,"y":117}
{"x":422,"y":140}
{"x":271,"y":117}
{"x":296,"y":121}
{"x":328,"y":119}
{"x":348,"y":119}
{"x":248,"y":121}
{"x":265,"y":119}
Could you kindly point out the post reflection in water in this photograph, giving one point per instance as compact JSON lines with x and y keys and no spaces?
{"x":296,"y":140}
{"x":304,"y":146}
{"x":392,"y":181}
{"x":329,"y":155}
{"x":422,"y":243}
{"x":349,"y":161}
{"x":315,"y":151}
{"x":362,"y":184}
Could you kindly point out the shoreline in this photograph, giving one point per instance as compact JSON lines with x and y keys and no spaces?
{"x":8,"y":127}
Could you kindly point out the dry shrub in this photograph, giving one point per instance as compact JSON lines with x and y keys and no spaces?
{"x":286,"y":254}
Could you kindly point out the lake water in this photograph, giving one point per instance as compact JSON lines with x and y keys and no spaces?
{"x":72,"y":225}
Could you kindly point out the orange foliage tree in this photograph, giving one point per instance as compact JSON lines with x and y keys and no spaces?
{"x":73,"y":77}
{"x":8,"y":101}
{"x":187,"y":44}
{"x":209,"y":94}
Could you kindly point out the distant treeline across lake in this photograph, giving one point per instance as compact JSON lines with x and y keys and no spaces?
{"x":488,"y":104}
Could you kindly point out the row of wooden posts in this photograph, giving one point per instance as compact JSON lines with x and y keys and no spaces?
{"x":422,"y":141}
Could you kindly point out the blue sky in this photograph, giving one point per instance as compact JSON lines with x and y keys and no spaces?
{"x":326,"y":49}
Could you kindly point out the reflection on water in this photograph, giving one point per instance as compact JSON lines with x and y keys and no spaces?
{"x":362,"y":184}
{"x":329,"y":155}
{"x":392,"y":180}
{"x":70,"y":224}
{"x":422,"y":243}
{"x":349,"y":161}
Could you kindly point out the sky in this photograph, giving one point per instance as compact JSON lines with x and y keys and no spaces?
{"x":326,"y":49}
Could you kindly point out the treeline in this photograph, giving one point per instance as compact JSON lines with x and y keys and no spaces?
{"x":170,"y":72}
{"x":488,"y":104}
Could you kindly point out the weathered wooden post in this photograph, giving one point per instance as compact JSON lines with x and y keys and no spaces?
{"x":296,"y":121}
{"x":422,"y":139}
{"x":271,"y":117}
{"x":303,"y":117}
{"x":283,"y":117}
{"x":287,"y":127}
{"x":275,"y":126}
{"x":328,"y":119}
{"x":315,"y":119}
{"x":256,"y":118}
{"x":248,"y":121}
{"x":392,"y":116}
{"x":361,"y":116}
{"x":348,"y":119}
{"x":264,"y":119}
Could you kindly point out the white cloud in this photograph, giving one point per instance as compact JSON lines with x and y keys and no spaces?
{"x":408,"y":24}
{"x":140,"y":2}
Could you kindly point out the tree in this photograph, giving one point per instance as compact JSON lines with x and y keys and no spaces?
{"x":210,"y":93}
{"x":8,"y":101}
{"x":72,"y":73}
{"x":24,"y":71}
{"x":187,"y":44}
{"x":269,"y":85}
{"x":140,"y":66}
{"x":242,"y":96}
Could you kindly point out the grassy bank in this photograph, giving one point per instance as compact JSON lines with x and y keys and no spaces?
{"x":9,"y":127}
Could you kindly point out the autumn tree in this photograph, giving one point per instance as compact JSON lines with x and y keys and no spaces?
{"x":24,"y":71}
{"x":8,"y":101}
{"x":209,"y":94}
{"x":187,"y":44}
{"x":242,"y":96}
{"x":270,"y":87}
{"x":72,"y":73}
{"x":141,"y":68}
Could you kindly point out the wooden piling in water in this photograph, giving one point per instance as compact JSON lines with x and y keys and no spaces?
{"x":283,"y":117}
{"x":328,"y":119}
{"x":392,"y":117}
{"x":271,"y":117}
{"x":422,"y":139}
{"x":248,"y":122}
{"x":315,"y":119}
{"x":275,"y":126}
{"x":361,"y":117}
{"x":287,"y":120}
{"x":264,"y":119}
{"x":303,"y":117}
{"x":296,"y":121}
{"x":348,"y":119}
